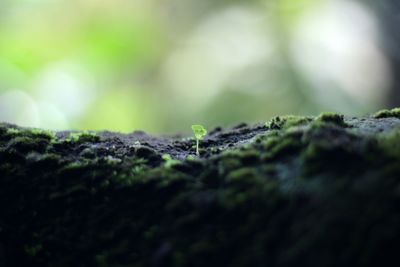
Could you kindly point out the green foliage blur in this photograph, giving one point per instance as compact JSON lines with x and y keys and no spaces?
{"x":159,"y":66}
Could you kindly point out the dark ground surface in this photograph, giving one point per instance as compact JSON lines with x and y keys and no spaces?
{"x":299,"y":191}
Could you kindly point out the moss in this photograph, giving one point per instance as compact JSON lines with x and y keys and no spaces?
{"x":29,"y":133}
{"x":285,"y":122}
{"x":3,"y":129}
{"x":329,"y":117}
{"x":389,"y":143}
{"x":74,"y":166}
{"x":45,"y":134}
{"x":112,"y":160}
{"x":228,"y":162}
{"x":244,"y":177}
{"x":43,"y":162}
{"x":101,"y":260}
{"x":179,"y":259}
{"x":245,"y":155}
{"x":333,"y":149}
{"x":12,"y":132}
{"x":281,"y":145}
{"x":271,"y":197}
{"x":79,"y":188}
{"x":386,"y":113}
{"x":83,"y":137}
{"x":33,"y":250}
{"x":169,"y":161}
{"x":24,"y":144}
{"x":88,"y":153}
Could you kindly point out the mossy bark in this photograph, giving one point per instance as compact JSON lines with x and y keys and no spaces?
{"x":298,"y":191}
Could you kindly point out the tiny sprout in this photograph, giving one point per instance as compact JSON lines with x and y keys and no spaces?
{"x":199,"y":131}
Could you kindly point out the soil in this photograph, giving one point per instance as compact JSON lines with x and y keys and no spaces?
{"x":296,"y":191}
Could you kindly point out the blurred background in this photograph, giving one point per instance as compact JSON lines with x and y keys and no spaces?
{"x":162,"y":65}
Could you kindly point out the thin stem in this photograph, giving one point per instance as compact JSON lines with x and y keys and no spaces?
{"x":197,"y":147}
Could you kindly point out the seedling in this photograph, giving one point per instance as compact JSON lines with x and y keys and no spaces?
{"x":199,"y":131}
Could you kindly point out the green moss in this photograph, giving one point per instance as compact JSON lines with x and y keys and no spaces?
{"x":73,"y":166}
{"x":45,"y":134}
{"x":6,"y":134}
{"x":88,"y":153}
{"x":43,"y":162}
{"x":79,"y":188}
{"x":179,"y":259}
{"x":228,"y":162}
{"x":101,"y":260}
{"x":169,"y":161}
{"x":9,"y":169}
{"x":190,"y":157}
{"x":24,"y":144}
{"x":285,"y":122}
{"x":30,"y":133}
{"x":334,"y":149}
{"x":329,"y":117}
{"x":33,"y":250}
{"x":13,"y":132}
{"x":249,"y":156}
{"x":3,"y":129}
{"x":281,"y":145}
{"x":282,"y":192}
{"x":244,"y":155}
{"x":83,"y":137}
{"x":110,"y":160}
{"x":244,"y":177}
{"x":389,"y":143}
{"x":386,"y":113}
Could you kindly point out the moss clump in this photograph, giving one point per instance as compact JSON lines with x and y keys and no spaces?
{"x":31,"y":133}
{"x":13,"y":132}
{"x":45,"y":134}
{"x":83,"y":137}
{"x":3,"y":129}
{"x":386,"y":113}
{"x":390,"y":143}
{"x":33,"y":250}
{"x":169,"y":161}
{"x":282,"y":144}
{"x":285,"y":122}
{"x":244,"y":176}
{"x":24,"y":144}
{"x":330,"y":117}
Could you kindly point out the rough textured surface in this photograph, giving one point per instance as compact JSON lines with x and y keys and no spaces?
{"x":297,"y":191}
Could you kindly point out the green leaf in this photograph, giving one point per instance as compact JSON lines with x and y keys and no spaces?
{"x":199,"y":131}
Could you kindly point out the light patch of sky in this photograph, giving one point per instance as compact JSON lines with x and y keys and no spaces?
{"x":60,"y":94}
{"x":10,"y":74}
{"x":63,"y":86}
{"x":223,"y":44}
{"x":51,"y":117}
{"x":18,"y":107}
{"x":337,"y":46}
